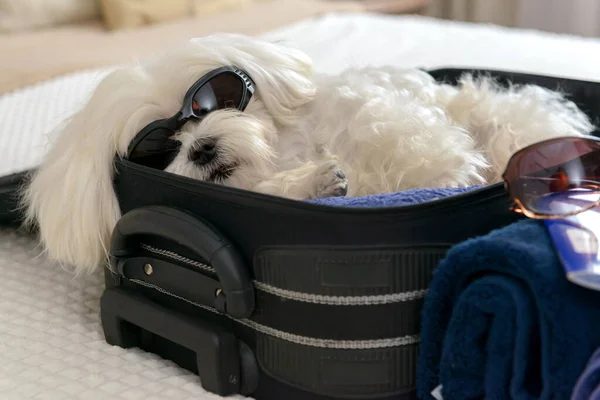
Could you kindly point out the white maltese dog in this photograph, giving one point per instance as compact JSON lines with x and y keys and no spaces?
{"x":300,"y":136}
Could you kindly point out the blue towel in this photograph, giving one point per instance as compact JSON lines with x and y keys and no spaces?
{"x":501,"y":321}
{"x":404,"y":198}
{"x":588,"y":385}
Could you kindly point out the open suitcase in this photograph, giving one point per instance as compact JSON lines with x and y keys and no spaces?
{"x":278,"y":299}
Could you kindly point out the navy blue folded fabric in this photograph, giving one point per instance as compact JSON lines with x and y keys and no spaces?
{"x":501,"y":321}
{"x":403,"y":198}
{"x":588,"y":385}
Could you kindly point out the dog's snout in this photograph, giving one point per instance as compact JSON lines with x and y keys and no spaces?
{"x":204,"y":152}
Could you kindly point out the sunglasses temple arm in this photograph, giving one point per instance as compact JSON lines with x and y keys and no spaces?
{"x":175,"y":122}
{"x":516,"y":209}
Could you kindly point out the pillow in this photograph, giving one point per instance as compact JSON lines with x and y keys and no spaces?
{"x":23,"y":15}
{"x":128,"y":14}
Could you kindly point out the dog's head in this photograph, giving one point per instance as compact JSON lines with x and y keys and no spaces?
{"x":70,"y":198}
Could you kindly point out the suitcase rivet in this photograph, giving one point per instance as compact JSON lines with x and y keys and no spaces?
{"x":218,"y":292}
{"x":148,"y":269}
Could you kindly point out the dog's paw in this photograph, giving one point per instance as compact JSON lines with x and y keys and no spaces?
{"x":330,"y":180}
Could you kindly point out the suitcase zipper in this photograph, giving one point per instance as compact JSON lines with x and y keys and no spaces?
{"x":298,"y":339}
{"x":176,"y":257}
{"x":300,"y":296}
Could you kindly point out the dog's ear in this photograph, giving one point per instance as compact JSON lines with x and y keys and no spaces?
{"x":70,"y":198}
{"x":283,"y":77}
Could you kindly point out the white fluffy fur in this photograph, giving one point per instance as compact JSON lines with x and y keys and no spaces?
{"x":387,"y":129}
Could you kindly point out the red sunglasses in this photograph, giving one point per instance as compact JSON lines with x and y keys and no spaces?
{"x":555,"y":178}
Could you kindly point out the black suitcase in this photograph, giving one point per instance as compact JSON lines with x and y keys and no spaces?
{"x":279,"y":299}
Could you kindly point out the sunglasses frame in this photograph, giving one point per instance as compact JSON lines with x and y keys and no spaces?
{"x":169,"y":126}
{"x":518,"y":207}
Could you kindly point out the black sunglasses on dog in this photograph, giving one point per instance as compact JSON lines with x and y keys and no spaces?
{"x":225,"y":87}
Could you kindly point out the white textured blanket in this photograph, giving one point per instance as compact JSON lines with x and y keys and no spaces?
{"x":51,"y":343}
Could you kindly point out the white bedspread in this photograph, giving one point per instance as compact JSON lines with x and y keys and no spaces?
{"x":51,"y":344}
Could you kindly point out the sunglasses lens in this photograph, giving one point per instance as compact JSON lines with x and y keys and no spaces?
{"x":223,"y":91}
{"x":558,"y":177}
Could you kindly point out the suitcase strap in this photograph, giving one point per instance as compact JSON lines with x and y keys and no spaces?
{"x":338,"y":322}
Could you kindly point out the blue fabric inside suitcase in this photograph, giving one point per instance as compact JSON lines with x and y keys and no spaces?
{"x":396,"y":199}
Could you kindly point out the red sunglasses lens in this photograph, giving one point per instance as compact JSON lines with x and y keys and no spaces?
{"x":557,"y":177}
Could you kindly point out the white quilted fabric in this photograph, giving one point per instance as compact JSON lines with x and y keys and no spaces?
{"x":51,"y":343}
{"x":27,"y":116}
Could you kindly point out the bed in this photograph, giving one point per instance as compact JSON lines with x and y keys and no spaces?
{"x":51,"y":342}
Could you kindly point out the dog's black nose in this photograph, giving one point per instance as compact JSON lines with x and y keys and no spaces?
{"x":204,"y":151}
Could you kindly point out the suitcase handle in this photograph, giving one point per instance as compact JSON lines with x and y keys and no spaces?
{"x":237,"y":295}
{"x":226,"y":366}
